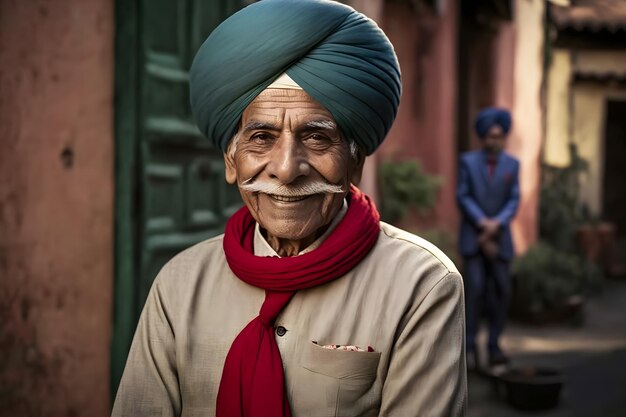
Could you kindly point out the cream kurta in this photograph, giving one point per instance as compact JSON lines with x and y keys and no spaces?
{"x":405,"y":299}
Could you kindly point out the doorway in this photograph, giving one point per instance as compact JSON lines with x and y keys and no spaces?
{"x":614,"y":182}
{"x":170,"y":186}
{"x":614,"y":187}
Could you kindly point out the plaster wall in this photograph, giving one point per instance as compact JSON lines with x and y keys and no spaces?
{"x":599,"y":61}
{"x":525,"y":140}
{"x":425,"y":128}
{"x":589,"y":113}
{"x":371,"y":8}
{"x":504,"y":65}
{"x":369,"y":181}
{"x":576,"y":112}
{"x":558,"y":108}
{"x":483,"y":78}
{"x":56,"y":206}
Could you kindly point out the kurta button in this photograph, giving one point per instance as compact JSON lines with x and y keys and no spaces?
{"x":280,"y":331}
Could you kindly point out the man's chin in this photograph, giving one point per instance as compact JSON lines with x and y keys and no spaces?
{"x":288,"y":232}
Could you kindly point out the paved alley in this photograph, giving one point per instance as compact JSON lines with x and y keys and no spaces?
{"x":592,"y":357}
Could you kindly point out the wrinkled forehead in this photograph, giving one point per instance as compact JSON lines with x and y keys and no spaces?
{"x":278,"y":98}
{"x":274,"y":103}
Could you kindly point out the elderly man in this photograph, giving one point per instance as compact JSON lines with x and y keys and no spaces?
{"x":308,"y":305}
{"x":488,"y":196}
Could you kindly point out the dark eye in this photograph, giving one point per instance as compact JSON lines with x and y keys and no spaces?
{"x":318,"y":141}
{"x":261,"y":137}
{"x":317,"y":137}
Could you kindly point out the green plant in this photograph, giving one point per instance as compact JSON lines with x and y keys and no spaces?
{"x":546,"y":277}
{"x":559,"y":208}
{"x":405,"y":185}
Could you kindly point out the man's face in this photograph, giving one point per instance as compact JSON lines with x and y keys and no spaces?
{"x":493,"y":142}
{"x":288,"y":140}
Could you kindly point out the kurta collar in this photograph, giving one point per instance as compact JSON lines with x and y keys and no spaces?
{"x":262,"y":248}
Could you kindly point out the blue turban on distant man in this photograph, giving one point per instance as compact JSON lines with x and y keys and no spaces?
{"x":335,"y":54}
{"x":492,"y":116}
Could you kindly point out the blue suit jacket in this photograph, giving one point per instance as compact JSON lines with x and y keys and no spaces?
{"x":481,"y":196}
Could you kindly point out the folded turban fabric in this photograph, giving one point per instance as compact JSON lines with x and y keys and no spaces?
{"x":492,"y":116}
{"x":337,"y":55}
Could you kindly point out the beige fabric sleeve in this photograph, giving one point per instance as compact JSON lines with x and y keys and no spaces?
{"x":149,"y":385}
{"x":427,"y":374}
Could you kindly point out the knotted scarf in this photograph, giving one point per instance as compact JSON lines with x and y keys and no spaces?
{"x":252,"y":382}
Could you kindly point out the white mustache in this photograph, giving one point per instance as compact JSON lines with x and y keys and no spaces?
{"x":288,"y":190}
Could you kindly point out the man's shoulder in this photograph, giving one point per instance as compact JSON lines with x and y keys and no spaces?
{"x":471,"y":156}
{"x":413,"y":249}
{"x":192,"y":260}
{"x":510,"y":158}
{"x":406,"y":267}
{"x":201,"y":250}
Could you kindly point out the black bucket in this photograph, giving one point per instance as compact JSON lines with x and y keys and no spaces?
{"x":531,"y":388}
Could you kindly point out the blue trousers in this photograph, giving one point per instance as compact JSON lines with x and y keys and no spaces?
{"x":488,"y":290}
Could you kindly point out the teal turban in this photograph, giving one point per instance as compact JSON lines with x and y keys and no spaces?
{"x":337,"y":55}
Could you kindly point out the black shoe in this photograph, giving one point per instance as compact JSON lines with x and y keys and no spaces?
{"x":473,"y":364}
{"x":497,"y":358}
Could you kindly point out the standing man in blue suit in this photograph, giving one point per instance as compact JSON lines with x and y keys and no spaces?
{"x":488,"y":197}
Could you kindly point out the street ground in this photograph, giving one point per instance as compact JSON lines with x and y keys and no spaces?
{"x":592,"y":358}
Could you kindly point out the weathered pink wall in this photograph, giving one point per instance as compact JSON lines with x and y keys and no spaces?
{"x":506,"y":71}
{"x":518,"y":76}
{"x":504,"y":65}
{"x":56,"y":206}
{"x":526,"y":137}
{"x":426,"y":122}
{"x":369,"y":181}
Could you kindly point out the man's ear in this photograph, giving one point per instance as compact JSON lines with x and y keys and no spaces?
{"x":357,"y":170}
{"x":229,"y":168}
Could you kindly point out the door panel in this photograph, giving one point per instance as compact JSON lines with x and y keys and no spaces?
{"x":171,"y":189}
{"x":185,"y":198}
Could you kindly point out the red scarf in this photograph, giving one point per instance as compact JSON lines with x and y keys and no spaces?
{"x":253,"y":383}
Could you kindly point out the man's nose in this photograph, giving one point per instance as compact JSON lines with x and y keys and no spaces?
{"x":288,"y":160}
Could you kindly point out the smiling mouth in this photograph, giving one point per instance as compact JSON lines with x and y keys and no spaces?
{"x":288,"y":199}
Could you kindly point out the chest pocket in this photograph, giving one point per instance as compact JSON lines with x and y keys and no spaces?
{"x":345,"y":379}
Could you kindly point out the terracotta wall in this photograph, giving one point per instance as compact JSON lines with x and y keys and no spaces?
{"x":526,"y":138}
{"x":56,"y":206}
{"x":506,"y":69}
{"x":425,"y":128}
{"x":481,"y":82}
{"x":369,"y":181}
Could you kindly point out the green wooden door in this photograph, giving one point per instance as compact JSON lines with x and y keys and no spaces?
{"x":171,"y":191}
